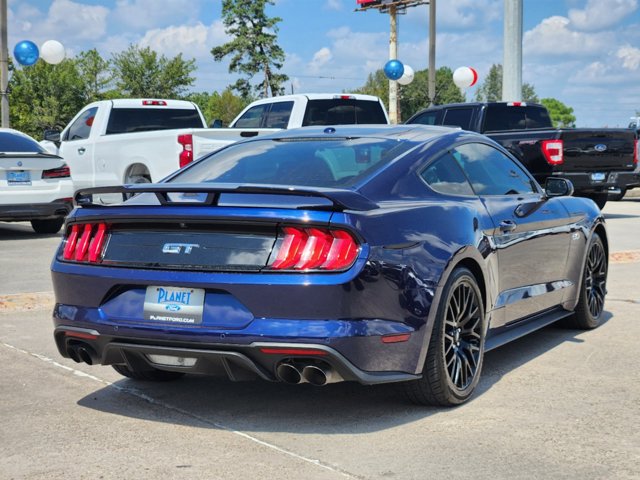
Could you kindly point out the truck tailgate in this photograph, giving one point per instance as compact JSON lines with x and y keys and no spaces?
{"x":601,"y":150}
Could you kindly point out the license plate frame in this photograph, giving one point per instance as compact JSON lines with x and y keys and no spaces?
{"x":598,"y":177}
{"x":18,"y":177}
{"x":176,"y":305}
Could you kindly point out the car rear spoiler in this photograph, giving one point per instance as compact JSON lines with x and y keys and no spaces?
{"x":342,"y":199}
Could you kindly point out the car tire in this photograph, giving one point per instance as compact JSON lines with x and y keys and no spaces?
{"x":152,"y":374}
{"x":454,"y":358}
{"x":47,"y":226}
{"x":593,"y":288}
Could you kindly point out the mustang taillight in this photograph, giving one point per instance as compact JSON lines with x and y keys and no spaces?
{"x":85,"y":242}
{"x":552,"y":150}
{"x":315,"y":249}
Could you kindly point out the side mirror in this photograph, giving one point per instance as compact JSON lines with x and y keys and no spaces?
{"x":558,"y":187}
{"x":217,"y":123}
{"x":52,"y":135}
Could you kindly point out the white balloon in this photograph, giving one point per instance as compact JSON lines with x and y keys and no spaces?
{"x":465,"y":77}
{"x":52,"y":52}
{"x":407,"y":76}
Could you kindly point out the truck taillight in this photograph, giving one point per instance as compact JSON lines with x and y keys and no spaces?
{"x":61,"y":172}
{"x":552,"y":151}
{"x":186,"y":155}
{"x":85,"y":242}
{"x":636,"y":152}
{"x":317,"y":249}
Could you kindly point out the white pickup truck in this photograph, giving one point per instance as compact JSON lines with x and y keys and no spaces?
{"x":112,"y":142}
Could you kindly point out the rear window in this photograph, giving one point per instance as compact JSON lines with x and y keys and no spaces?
{"x":339,"y":111}
{"x":335,"y":162}
{"x":504,"y":117}
{"x":11,"y":142}
{"x":128,"y":120}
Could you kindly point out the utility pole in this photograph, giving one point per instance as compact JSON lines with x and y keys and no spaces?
{"x":4,"y":66}
{"x":432,"y":52}
{"x":512,"y":64}
{"x":393,"y":7}
{"x":393,"y":55}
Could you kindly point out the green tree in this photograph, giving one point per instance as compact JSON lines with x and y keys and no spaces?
{"x":561,"y":115}
{"x":45,"y":96}
{"x":253,"y":47}
{"x":491,"y":89}
{"x":96,"y":74}
{"x":225,"y":106}
{"x":141,"y":72}
{"x":413,"y":97}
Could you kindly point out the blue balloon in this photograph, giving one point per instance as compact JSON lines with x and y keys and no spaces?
{"x":26,"y":52}
{"x":393,"y":69}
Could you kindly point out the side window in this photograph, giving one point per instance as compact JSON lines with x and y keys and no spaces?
{"x":279,"y":114}
{"x":252,"y":118}
{"x":81,"y":128}
{"x":458,"y":117}
{"x":445,"y":176}
{"x":427,"y":118}
{"x":491,"y":172}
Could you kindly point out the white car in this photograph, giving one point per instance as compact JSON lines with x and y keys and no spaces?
{"x":35,"y":185}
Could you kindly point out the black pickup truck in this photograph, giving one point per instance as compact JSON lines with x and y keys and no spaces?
{"x":599,"y":162}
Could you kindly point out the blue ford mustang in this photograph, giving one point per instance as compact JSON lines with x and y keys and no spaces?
{"x":359,"y":253}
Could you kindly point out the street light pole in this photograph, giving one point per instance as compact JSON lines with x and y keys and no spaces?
{"x":512,"y":65}
{"x":4,"y":66}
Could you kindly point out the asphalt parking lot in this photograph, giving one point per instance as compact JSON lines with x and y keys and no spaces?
{"x":556,"y":404}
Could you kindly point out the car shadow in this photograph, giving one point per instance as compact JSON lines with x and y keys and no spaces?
{"x":342,"y":408}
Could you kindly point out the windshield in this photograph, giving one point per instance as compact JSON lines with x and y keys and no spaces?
{"x":335,"y":162}
{"x":11,"y":142}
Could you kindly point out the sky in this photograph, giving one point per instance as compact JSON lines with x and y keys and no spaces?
{"x":585,"y":53}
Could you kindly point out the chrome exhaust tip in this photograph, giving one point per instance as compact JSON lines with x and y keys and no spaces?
{"x":288,"y":373}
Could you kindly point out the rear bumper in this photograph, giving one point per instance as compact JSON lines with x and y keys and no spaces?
{"x":238,"y":362}
{"x":585,"y":183}
{"x":35,"y":211}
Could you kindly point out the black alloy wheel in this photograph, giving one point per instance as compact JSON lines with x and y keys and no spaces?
{"x":593,"y":289}
{"x":462,"y":335}
{"x":454,"y":357}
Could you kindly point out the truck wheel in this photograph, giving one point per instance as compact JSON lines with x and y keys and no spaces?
{"x":619,"y":196}
{"x":131,"y":179}
{"x":600,"y":198}
{"x":47,"y":226}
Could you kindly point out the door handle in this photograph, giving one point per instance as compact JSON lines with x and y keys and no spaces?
{"x":507,"y":226}
{"x":81,"y":150}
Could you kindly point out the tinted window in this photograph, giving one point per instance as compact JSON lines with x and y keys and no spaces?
{"x":81,"y":128}
{"x":445,"y":176}
{"x":426,"y":118}
{"x":458,"y":117}
{"x":11,"y":142}
{"x":252,"y":118}
{"x":312,"y":162}
{"x":127,"y":120}
{"x":279,"y":115}
{"x":538,"y":117}
{"x":504,"y":117}
{"x":491,"y":172}
{"x":343,"y":112}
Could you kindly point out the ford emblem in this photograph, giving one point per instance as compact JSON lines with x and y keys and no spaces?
{"x":601,"y":147}
{"x":19,"y":164}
